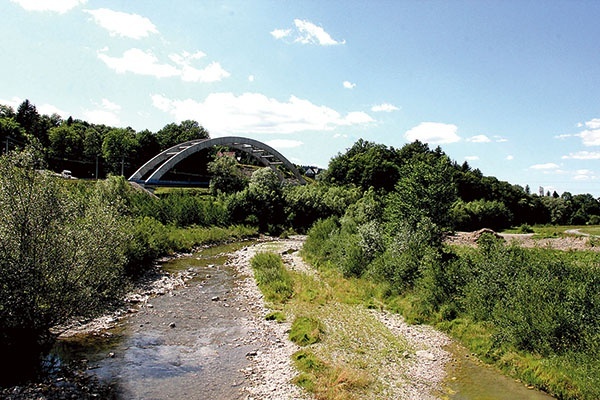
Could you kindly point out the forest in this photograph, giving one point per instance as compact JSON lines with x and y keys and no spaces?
{"x":70,"y":247}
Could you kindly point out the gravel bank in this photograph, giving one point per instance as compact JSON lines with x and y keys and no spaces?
{"x":418,"y":376}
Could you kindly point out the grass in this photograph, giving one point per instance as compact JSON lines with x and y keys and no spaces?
{"x":272,"y":277}
{"x":346,"y":351}
{"x":306,"y":331}
{"x":348,"y":354}
{"x":556,"y":231}
{"x":184,"y":239}
{"x":193,"y":191}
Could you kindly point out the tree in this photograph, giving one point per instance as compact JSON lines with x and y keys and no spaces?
{"x":148,"y":146}
{"x":33,"y":123}
{"x":11,"y":133}
{"x":424,"y":190}
{"x":366,"y":165}
{"x":261,"y":203}
{"x":226,"y":177}
{"x":118,"y":145}
{"x":173,"y":134}
{"x":6,"y":111}
{"x":60,"y":256}
{"x":66,"y":141}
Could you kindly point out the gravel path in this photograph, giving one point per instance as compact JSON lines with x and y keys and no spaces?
{"x":271,"y":371}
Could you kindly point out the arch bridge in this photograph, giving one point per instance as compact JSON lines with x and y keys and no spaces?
{"x":151,"y":172}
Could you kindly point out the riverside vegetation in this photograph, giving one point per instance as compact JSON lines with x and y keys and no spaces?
{"x":376,"y":222}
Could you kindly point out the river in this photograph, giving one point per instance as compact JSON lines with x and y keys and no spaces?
{"x":196,"y":343}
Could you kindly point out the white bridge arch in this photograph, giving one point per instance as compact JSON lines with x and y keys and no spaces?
{"x":152,"y":171}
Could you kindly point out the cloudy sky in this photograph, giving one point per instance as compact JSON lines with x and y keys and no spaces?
{"x":513,"y":87}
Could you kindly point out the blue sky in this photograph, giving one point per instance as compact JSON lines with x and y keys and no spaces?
{"x":512,"y":87}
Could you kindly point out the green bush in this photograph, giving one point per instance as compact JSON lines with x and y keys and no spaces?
{"x":148,"y":240}
{"x":318,"y":245}
{"x":525,"y":228}
{"x":540,"y":301}
{"x":61,"y":255}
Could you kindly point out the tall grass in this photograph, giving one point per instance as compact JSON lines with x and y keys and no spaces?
{"x":272,"y":277}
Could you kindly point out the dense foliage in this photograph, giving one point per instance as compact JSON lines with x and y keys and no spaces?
{"x":61,"y":255}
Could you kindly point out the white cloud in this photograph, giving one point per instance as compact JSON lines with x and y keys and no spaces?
{"x":593,"y":123}
{"x":59,"y":6}
{"x":250,"y":78}
{"x":49,"y":109}
{"x":213,"y":72}
{"x":544,"y":167}
{"x":105,"y":113}
{"x":583,"y":155}
{"x":584,"y":175}
{"x":479,"y":139}
{"x":349,"y":85}
{"x":563,"y":136}
{"x":471,"y":158}
{"x":185,"y":58}
{"x":591,"y":135}
{"x":109,"y":105}
{"x":284,"y":143}
{"x":102,"y":117}
{"x":281,"y":33}
{"x":14,"y":102}
{"x":123,"y":24}
{"x":226,"y":113}
{"x":145,"y":63}
{"x":306,"y":32}
{"x":510,"y":157}
{"x":433,"y":132}
{"x":139,"y":62}
{"x":500,"y":139}
{"x":384,"y":107}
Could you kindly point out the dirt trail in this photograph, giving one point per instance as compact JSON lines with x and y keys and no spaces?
{"x":579,"y":242}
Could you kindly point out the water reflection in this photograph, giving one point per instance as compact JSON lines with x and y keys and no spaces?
{"x":472,"y":380}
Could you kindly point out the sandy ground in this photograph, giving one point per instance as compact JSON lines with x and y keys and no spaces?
{"x":576,"y":242}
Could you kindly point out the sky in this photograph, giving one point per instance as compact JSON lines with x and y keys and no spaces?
{"x":512,"y":87}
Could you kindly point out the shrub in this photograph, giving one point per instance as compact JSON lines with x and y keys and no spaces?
{"x":61,"y":255}
{"x":525,"y":228}
{"x":148,"y":240}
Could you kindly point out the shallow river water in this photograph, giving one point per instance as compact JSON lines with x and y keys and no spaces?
{"x":194,"y":344}
{"x":190,"y":344}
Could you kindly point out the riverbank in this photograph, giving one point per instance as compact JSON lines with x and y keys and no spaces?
{"x":415,"y":371}
{"x":172,"y":314}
